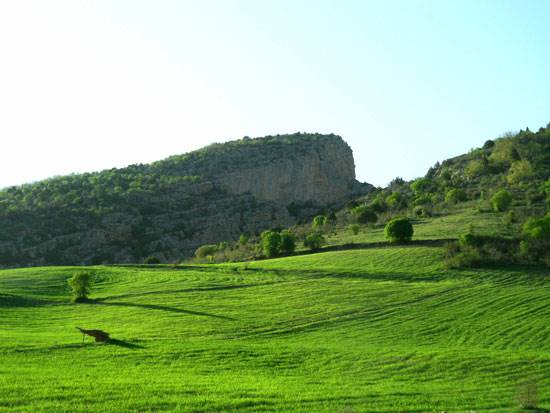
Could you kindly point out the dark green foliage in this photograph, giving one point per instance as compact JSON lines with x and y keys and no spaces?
{"x":243,"y":239}
{"x":535,"y":245}
{"x":151,"y":260}
{"x":501,"y":200}
{"x":271,"y":243}
{"x":354,"y":228}
{"x":399,"y":230}
{"x":314,"y":241}
{"x":288,"y":242}
{"x":478,"y":251}
{"x":80,"y":284}
{"x":455,"y":196}
{"x":206,"y":250}
{"x":364,"y":215}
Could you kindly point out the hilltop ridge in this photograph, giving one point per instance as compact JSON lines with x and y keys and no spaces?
{"x":170,"y":207}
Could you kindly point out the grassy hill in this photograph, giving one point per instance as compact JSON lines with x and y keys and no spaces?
{"x":378,"y":329}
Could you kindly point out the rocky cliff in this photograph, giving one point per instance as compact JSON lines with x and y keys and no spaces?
{"x":170,"y":207}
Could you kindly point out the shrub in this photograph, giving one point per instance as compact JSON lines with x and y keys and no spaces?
{"x":271,"y":243}
{"x":364,"y":215}
{"x":520,"y":171}
{"x":476,"y":167}
{"x":319,"y":221}
{"x":501,"y":201}
{"x":455,"y":196}
{"x":536,"y":240}
{"x":314,"y":241}
{"x":421,"y":185}
{"x":354,"y":228}
{"x":80,"y":284}
{"x":396,"y":200}
{"x":399,"y":230}
{"x":206,"y":250}
{"x":151,"y":260}
{"x":243,"y":239}
{"x":288,"y":242}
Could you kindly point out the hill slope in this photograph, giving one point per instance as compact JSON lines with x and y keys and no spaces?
{"x":383,"y":329}
{"x":170,"y":207}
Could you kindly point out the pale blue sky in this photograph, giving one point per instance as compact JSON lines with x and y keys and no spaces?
{"x":88,"y":85}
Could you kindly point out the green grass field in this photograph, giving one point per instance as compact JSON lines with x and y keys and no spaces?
{"x":369,"y":330}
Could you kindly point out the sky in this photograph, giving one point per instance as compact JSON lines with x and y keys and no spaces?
{"x":90,"y":85}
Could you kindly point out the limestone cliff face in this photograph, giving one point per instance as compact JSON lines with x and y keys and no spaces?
{"x":324,"y":173}
{"x":171,"y":207}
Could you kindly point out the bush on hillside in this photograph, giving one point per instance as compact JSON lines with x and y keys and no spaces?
{"x":520,"y":171}
{"x":354,"y":229}
{"x":421,"y":185}
{"x":206,"y":250}
{"x":535,"y":245}
{"x":501,"y":201}
{"x":271,"y":243}
{"x":319,"y":221}
{"x":81,"y":285}
{"x":314,"y":241}
{"x":364,"y":215}
{"x":399,"y":230}
{"x":288,"y":242}
{"x":455,"y":196}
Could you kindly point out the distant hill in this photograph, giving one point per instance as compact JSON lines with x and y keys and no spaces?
{"x":168,"y":208}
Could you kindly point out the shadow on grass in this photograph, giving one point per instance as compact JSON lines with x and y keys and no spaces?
{"x":124,"y":344}
{"x":186,"y":290}
{"x":161,"y":308}
{"x":11,"y":300}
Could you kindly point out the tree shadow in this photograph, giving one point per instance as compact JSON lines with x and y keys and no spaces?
{"x":163,"y":308}
{"x":12,"y":300}
{"x":124,"y":344}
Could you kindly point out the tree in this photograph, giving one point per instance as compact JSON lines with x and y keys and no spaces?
{"x":364,"y":215}
{"x":80,"y":284}
{"x":354,"y":228}
{"x":288,"y":242}
{"x":319,"y":221}
{"x":536,"y":239}
{"x":520,"y":171}
{"x":243,"y":239}
{"x":421,"y":185}
{"x":501,"y":201}
{"x":399,"y":230}
{"x":271,"y":243}
{"x":205,"y":250}
{"x":314,"y":241}
{"x":455,"y":196}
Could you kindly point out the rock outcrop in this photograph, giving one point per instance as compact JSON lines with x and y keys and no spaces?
{"x":171,"y":207}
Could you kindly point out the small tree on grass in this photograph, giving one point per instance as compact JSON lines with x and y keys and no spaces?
{"x":81,"y":284}
{"x":354,"y":228}
{"x":271,"y":243}
{"x":399,"y":230}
